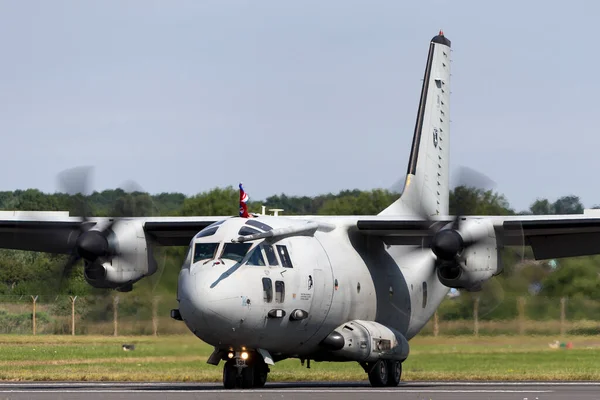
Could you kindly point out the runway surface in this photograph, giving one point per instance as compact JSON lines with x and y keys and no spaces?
{"x":329,"y":391}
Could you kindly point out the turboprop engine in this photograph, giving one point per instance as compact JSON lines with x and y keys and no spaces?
{"x":116,"y":258}
{"x":115,"y":252}
{"x":467,"y":256}
{"x":365,"y":341}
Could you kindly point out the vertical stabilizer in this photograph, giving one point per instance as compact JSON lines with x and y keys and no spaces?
{"x":427,"y":178}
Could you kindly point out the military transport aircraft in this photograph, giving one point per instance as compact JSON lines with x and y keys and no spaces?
{"x":265,"y":288}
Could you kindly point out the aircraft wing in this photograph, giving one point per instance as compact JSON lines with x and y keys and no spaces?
{"x":550,"y":236}
{"x":56,"y":232}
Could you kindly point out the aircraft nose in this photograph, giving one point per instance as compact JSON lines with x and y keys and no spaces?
{"x":213,"y":304}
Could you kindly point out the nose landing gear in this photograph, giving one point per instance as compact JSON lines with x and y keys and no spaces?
{"x":245,"y":373}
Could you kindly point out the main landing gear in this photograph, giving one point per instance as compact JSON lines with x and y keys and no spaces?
{"x":383,"y":372}
{"x":248,"y":372}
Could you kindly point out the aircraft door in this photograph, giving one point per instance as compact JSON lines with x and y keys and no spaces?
{"x":319,"y":283}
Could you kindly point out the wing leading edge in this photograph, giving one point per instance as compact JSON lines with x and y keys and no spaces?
{"x":57,"y":232}
{"x":555,"y":236}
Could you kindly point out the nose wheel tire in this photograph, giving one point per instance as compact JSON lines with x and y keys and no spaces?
{"x":261,"y":371}
{"x":378,"y":373}
{"x":253,"y":375}
{"x":230,"y":373}
{"x":247,"y":378}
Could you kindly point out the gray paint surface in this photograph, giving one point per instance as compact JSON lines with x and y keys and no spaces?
{"x":320,"y":390}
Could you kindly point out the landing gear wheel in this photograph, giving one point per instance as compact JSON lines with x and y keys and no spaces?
{"x":378,"y":374}
{"x":261,"y":371}
{"x":229,"y":375}
{"x":248,"y":376}
{"x":394,"y":372}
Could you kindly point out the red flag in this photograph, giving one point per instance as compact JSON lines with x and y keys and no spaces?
{"x":243,"y":205}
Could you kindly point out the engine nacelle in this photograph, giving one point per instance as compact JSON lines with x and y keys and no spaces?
{"x":134,"y":259}
{"x":366,"y":341}
{"x":478,"y":262}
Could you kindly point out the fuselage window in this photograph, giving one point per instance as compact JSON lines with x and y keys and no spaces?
{"x":235,"y":251}
{"x":244,"y":230}
{"x":207,"y":232}
{"x":279,"y":291}
{"x":285,"y":257}
{"x":256,"y":258}
{"x":204,"y":251}
{"x":267,"y":290}
{"x":271,"y":255}
{"x":424,"y":294}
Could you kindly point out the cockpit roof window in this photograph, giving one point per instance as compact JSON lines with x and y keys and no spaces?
{"x":204,"y":251}
{"x":259,"y":225}
{"x":244,"y":230}
{"x":207,"y":232}
{"x":235,"y":251}
{"x":215,"y":223}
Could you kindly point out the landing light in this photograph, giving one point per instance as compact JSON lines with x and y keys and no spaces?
{"x":230,"y":355}
{"x":244,"y":355}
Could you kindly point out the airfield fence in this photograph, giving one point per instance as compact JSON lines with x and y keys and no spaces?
{"x":125,"y":314}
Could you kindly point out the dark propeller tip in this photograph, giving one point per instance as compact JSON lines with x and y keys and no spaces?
{"x":446,"y":244}
{"x":91,"y":245}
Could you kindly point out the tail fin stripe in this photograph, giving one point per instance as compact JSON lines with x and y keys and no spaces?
{"x":414,"y":151}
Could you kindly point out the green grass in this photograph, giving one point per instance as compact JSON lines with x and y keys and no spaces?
{"x":183,"y":358}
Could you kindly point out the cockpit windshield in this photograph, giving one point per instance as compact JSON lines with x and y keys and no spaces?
{"x":235,"y":251}
{"x":256,"y":258}
{"x":204,"y":251}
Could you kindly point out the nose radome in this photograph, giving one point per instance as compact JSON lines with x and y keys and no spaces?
{"x":216,"y":306}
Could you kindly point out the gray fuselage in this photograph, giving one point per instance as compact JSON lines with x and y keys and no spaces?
{"x":335,"y":277}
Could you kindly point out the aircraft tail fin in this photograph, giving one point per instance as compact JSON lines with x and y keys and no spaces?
{"x":426,"y":189}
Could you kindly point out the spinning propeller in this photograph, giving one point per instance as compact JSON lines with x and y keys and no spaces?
{"x":95,"y":240}
{"x":450,"y":241}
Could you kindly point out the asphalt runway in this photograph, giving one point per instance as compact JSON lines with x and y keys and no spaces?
{"x":325,"y":391}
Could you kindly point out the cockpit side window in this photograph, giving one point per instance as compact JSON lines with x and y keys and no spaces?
{"x":235,"y":251}
{"x":284,"y":255}
{"x":204,"y":251}
{"x":256,"y":258}
{"x":188,"y":258}
{"x":270,"y":255}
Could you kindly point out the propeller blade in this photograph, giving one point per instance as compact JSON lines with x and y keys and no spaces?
{"x":77,"y":182}
{"x":468,"y":178}
{"x":471,"y":178}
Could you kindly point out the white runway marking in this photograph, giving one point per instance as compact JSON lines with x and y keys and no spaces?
{"x":219,"y":391}
{"x":321,"y":385}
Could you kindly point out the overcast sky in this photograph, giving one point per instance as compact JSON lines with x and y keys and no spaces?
{"x":301,"y":97}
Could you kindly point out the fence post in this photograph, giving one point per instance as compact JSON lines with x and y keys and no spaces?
{"x":436,"y":324}
{"x":155,"y":301}
{"x":476,"y":317}
{"x":563,"y":301}
{"x":73,"y":314}
{"x":115,"y":315}
{"x":34,"y":299}
{"x":521,"y":308}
